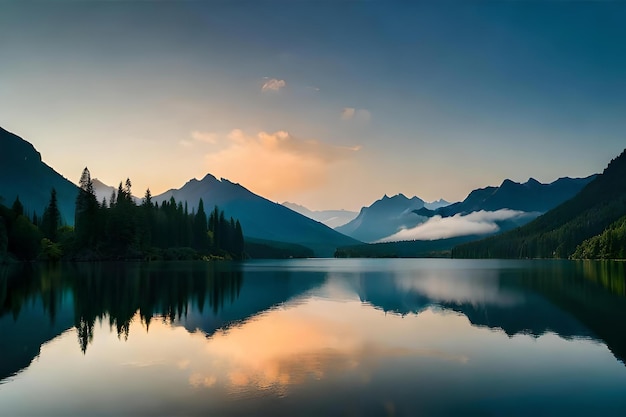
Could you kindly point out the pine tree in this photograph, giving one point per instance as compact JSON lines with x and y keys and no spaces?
{"x":200,"y":229}
{"x":239,"y":241}
{"x":17,"y":207}
{"x":86,"y":213}
{"x":51,"y":220}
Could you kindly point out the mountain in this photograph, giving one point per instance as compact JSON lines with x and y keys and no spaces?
{"x":557,"y":233}
{"x":24,"y":174}
{"x":259,"y":217}
{"x":103,"y":191}
{"x":388,"y":216}
{"x":384,"y":218}
{"x":436,"y":204}
{"x":331,"y":218}
{"x":531,"y":196}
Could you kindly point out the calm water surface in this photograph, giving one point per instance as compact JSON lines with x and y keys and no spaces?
{"x":314,"y":337}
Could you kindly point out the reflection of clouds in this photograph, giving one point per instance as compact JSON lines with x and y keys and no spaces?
{"x":475,"y":287}
{"x":143,"y":363}
{"x":282,"y":348}
{"x":197,"y":380}
{"x":183,"y":364}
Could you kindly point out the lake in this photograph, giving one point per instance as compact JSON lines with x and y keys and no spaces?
{"x":318,"y":337}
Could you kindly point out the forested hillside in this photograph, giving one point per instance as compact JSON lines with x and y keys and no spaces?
{"x":118,"y":229}
{"x":557,"y":233}
{"x":610,"y":244}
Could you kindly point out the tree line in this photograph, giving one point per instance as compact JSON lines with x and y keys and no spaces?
{"x":119,"y":229}
{"x":610,"y":244}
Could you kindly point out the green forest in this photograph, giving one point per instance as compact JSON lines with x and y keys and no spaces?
{"x":118,"y":229}
{"x":610,"y":244}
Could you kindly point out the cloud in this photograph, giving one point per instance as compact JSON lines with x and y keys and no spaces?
{"x":273,"y":84}
{"x":364,"y":115}
{"x":476,"y":223}
{"x":349,"y":113}
{"x":206,"y":137}
{"x":275,"y":164}
{"x":477,"y":287}
{"x":197,"y":136}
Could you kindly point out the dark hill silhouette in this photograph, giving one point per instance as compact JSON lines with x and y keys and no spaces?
{"x":531,"y":196}
{"x":24,"y":174}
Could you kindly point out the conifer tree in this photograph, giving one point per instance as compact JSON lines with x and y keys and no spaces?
{"x":239,"y":241}
{"x":51,"y":219}
{"x":86,"y":212}
{"x":200,"y":229}
{"x":17,"y":207}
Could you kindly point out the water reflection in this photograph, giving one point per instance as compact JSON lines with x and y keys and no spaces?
{"x":265,"y":330}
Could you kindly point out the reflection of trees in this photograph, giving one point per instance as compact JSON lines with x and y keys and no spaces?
{"x":572,"y":299}
{"x":120,"y":290}
{"x":592,"y":292}
{"x":609,"y":274}
{"x":23,"y":283}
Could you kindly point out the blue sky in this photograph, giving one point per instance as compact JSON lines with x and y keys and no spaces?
{"x":329,"y":104}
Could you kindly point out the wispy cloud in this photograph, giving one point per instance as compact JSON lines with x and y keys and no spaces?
{"x":349,"y":113}
{"x":273,"y":84}
{"x":476,"y":223}
{"x":274,"y":164}
{"x":199,"y":137}
{"x":206,"y":137}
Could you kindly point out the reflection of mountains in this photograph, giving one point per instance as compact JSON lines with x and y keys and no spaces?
{"x":564,"y":299}
{"x":38,"y":304}
{"x":263,"y":290}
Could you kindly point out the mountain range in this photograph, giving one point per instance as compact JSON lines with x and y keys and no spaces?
{"x":331,"y":218}
{"x":384,"y":218}
{"x":602,"y":201}
{"x":557,"y":233}
{"x":393,"y":218}
{"x":531,"y":196}
{"x":260,"y":218}
{"x":24,"y":174}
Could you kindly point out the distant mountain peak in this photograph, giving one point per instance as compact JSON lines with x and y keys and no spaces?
{"x":259,"y":217}
{"x":209,"y":178}
{"x":383,"y":218}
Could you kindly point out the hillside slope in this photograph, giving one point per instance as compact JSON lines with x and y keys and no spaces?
{"x":24,"y":174}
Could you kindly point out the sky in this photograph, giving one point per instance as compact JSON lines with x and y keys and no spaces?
{"x":328,"y":104}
